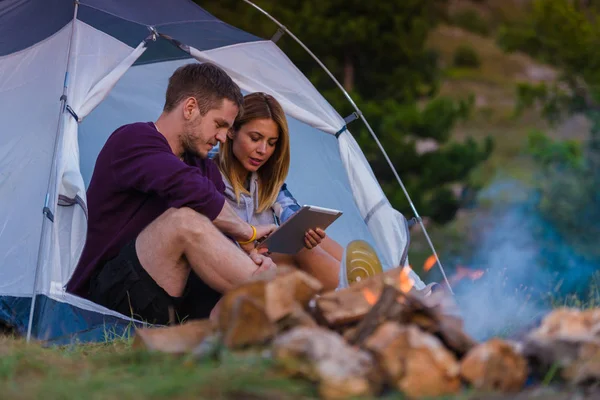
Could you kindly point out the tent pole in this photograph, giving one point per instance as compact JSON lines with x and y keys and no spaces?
{"x":339,"y":85}
{"x":47,"y":210}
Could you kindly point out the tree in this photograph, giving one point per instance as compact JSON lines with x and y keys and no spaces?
{"x":377,"y":50}
{"x":566,"y":34}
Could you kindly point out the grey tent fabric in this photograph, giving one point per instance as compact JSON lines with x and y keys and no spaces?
{"x":26,"y":22}
{"x":192,"y":26}
{"x":153,"y":12}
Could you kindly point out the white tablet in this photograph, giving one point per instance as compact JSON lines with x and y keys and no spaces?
{"x":289,"y":237}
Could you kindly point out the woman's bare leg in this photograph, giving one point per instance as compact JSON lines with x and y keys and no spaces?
{"x":333,"y":248}
{"x":316,"y":262}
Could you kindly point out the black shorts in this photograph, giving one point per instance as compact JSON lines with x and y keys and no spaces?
{"x":123,"y":285}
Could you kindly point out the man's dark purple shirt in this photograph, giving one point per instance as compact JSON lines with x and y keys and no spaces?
{"x":137,"y":177}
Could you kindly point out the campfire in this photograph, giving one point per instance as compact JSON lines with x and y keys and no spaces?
{"x":460,"y":274}
{"x":380,"y":334}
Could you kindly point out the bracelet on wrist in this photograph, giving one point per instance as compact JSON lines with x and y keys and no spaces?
{"x":253,"y":238}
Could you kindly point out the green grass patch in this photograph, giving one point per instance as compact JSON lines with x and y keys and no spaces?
{"x":115,"y":370}
{"x":465,"y":56}
{"x":471,"y":20}
{"x":588,"y":300}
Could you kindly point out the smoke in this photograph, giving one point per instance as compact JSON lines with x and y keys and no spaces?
{"x":528,"y":265}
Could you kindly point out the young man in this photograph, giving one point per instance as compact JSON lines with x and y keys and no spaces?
{"x":157,"y":217}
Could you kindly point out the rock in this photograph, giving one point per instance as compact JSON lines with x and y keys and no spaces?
{"x":351,"y":304}
{"x":496,"y":366}
{"x":570,"y":340}
{"x":298,"y":317}
{"x":251,"y":313}
{"x":578,"y":361}
{"x":342,"y":307}
{"x":324,"y":357}
{"x":248,"y":323}
{"x":289,"y":289}
{"x":569,"y":323}
{"x":278,"y":294}
{"x":451,"y":332}
{"x":586,"y":365}
{"x":413,"y":361}
{"x":431,"y":315}
{"x":176,"y":339}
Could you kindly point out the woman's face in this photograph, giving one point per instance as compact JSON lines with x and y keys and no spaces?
{"x":255,"y":143}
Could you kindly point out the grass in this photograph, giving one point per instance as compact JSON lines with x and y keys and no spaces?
{"x":493,"y":84}
{"x":591,"y":299}
{"x":115,"y":370}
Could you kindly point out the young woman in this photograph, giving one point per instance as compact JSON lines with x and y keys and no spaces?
{"x":254,"y":162}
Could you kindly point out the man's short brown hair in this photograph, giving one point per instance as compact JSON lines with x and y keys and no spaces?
{"x":207,"y":83}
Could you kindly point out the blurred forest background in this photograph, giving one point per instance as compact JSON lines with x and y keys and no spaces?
{"x":489,"y":111}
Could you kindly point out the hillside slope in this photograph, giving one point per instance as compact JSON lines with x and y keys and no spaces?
{"x":493,"y":84}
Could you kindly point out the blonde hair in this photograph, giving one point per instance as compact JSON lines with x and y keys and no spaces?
{"x":273,"y":173}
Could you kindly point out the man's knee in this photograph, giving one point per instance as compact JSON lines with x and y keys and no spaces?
{"x":188,"y":223}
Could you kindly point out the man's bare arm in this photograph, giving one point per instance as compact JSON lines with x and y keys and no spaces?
{"x":231,"y":224}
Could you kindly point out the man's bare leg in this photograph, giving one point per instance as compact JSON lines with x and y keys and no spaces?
{"x":181,"y":239}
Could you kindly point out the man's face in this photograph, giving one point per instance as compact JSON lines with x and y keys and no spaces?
{"x":202,"y":133}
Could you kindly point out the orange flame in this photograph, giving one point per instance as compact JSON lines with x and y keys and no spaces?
{"x":370,"y":297}
{"x":405,"y":282}
{"x":429,"y":263}
{"x":464,"y":272}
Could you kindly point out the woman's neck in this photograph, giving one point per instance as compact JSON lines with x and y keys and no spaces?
{"x":240,"y":172}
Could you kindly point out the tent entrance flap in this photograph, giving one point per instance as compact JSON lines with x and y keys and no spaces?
{"x":47,"y":212}
{"x":92,"y":81}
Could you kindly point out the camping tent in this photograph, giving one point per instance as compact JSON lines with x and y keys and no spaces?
{"x":71,"y":73}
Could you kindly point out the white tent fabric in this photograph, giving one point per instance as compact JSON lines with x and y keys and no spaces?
{"x":263,"y":67}
{"x":29,"y":125}
{"x":97,"y":61}
{"x":388,"y":226}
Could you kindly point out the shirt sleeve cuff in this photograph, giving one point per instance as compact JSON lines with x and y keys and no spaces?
{"x":213,"y":209}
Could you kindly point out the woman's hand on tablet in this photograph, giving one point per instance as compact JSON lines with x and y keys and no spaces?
{"x":313,"y":238}
{"x":261,"y":231}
